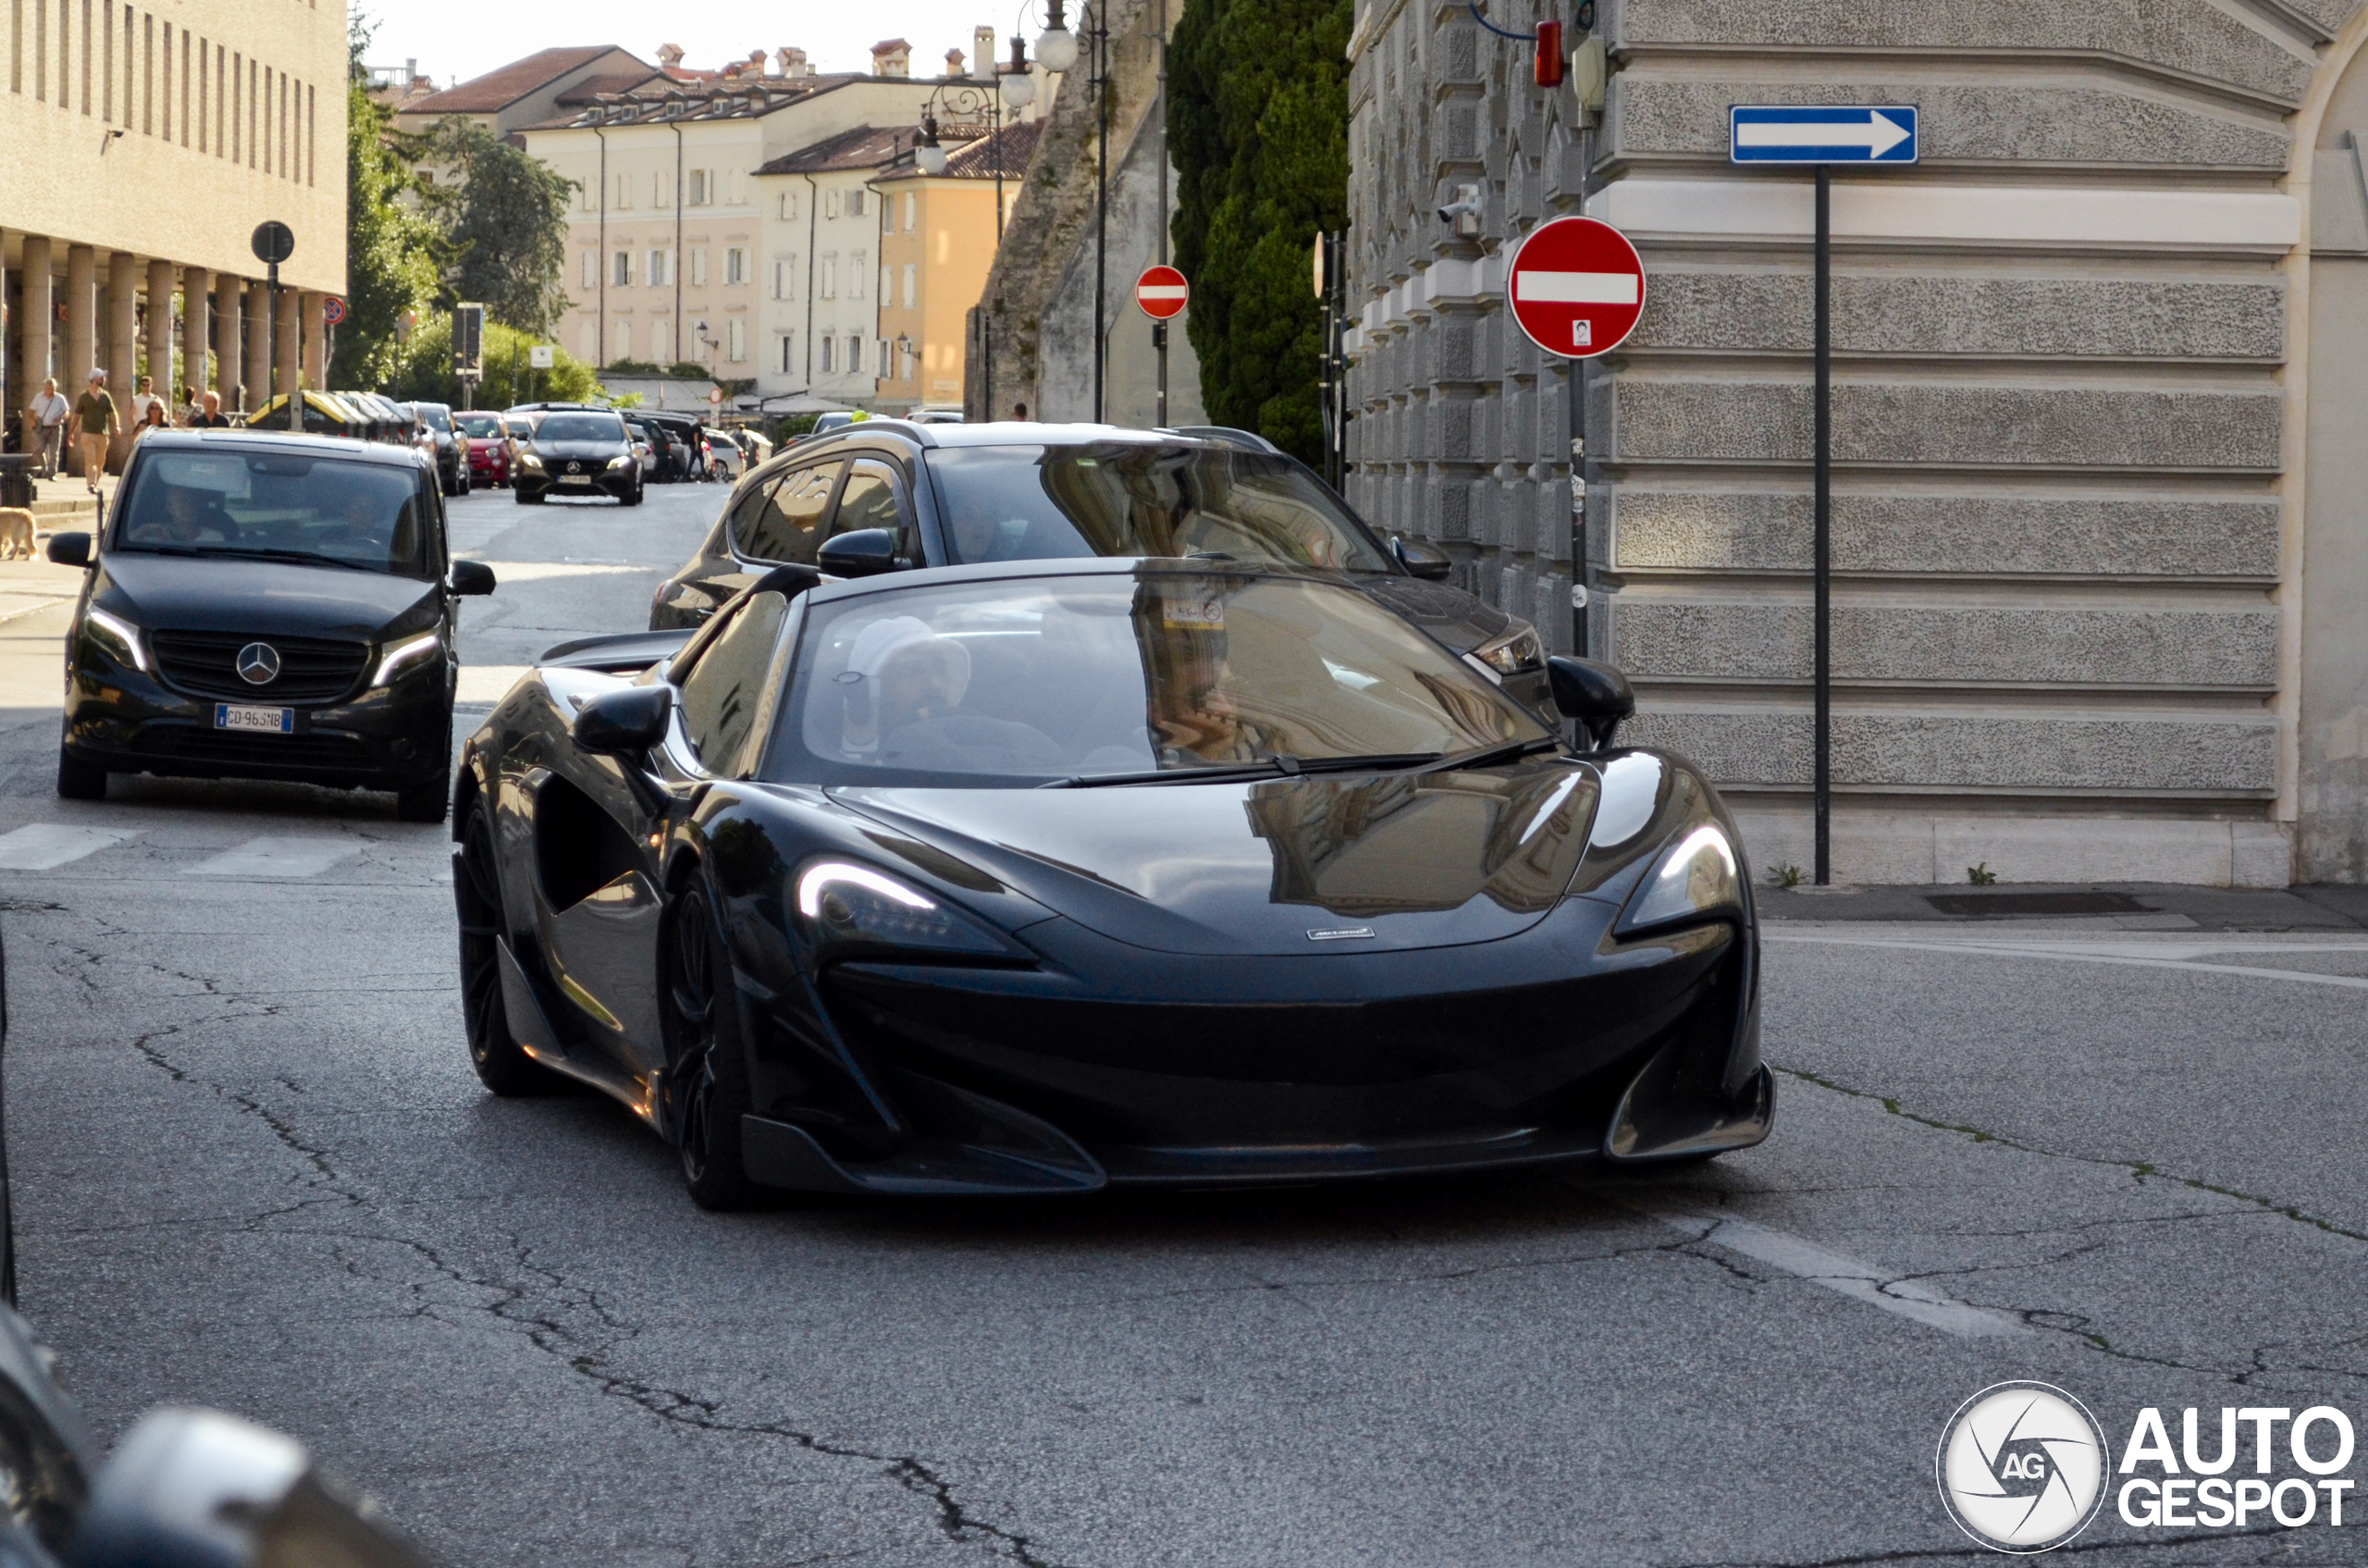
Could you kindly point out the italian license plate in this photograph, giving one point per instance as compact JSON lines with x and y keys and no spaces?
{"x":231,"y":716}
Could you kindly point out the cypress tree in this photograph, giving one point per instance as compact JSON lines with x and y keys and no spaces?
{"x":1258,"y":122}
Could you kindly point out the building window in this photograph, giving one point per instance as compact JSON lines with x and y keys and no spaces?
{"x":888,"y":215}
{"x":912,"y":210}
{"x":735,"y":339}
{"x":887,"y":284}
{"x":591,"y":269}
{"x":783,"y":343}
{"x":882,"y":361}
{"x":784,"y":277}
{"x":788,"y":206}
{"x":855,"y":201}
{"x":620,"y":270}
{"x":702,"y":190}
{"x":661,"y":193}
{"x":588,"y":343}
{"x":854,"y":354}
{"x":830,"y":203}
{"x":828,"y":343}
{"x":625,"y":193}
{"x":698,"y":268}
{"x":912,"y":285}
{"x":588,"y":199}
{"x":659,"y":270}
{"x":857,"y":265}
{"x":830,"y":289}
{"x":620,"y":341}
{"x":660,"y":334}
{"x":735,"y":266}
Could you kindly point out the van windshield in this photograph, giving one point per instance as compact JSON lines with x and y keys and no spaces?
{"x":266,"y":506}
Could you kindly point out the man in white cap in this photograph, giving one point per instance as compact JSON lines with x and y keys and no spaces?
{"x":95,"y":424}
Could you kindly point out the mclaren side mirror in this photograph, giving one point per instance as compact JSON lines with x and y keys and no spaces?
{"x":1596,"y":694}
{"x":1420,"y":559}
{"x":472,"y":577}
{"x":71,"y":549}
{"x":624,"y":724}
{"x":209,"y":1490}
{"x":864,"y":552}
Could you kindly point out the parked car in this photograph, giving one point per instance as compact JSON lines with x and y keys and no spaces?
{"x":488,"y":447}
{"x":941,"y":495}
{"x":577,"y":451}
{"x":436,"y":435}
{"x":266,"y":606}
{"x":949,"y":416}
{"x":873,"y":888}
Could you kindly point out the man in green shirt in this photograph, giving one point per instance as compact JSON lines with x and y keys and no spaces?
{"x":95,"y":423}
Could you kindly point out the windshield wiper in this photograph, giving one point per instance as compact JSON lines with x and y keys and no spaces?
{"x":1281,"y":764}
{"x":1489,"y":757}
{"x":256,"y":554}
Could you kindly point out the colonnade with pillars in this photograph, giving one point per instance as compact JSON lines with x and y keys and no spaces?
{"x":67,"y":319}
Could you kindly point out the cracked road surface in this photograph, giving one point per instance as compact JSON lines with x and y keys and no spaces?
{"x":255,"y":1171}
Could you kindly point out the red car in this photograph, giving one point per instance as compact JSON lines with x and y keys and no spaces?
{"x":489,"y":447}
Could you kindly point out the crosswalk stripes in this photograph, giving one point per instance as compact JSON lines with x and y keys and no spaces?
{"x":278,"y":855}
{"x":43,"y":847}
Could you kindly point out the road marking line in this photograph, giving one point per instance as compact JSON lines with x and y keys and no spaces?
{"x":41,"y":847}
{"x":278,"y":855}
{"x":1860,"y":1281}
{"x":2107,"y":955}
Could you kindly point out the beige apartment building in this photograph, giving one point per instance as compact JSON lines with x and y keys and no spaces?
{"x":141,"y":147}
{"x":938,"y":238}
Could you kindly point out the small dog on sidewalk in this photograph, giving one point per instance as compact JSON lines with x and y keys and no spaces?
{"x":15,"y":532}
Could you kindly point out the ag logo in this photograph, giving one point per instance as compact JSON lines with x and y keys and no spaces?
{"x":2021,"y":1467}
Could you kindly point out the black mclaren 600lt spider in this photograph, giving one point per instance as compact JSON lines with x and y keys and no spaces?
{"x":1046,"y":875}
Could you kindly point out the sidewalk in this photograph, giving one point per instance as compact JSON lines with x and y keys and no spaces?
{"x":2103,"y":906}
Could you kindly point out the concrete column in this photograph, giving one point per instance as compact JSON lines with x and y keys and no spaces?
{"x":36,"y":317}
{"x":161,"y":283}
{"x":316,"y":341}
{"x":196,"y":328}
{"x":229,"y":339}
{"x":81,"y":331}
{"x":258,"y":371}
{"x":290,"y":347}
{"x":123,"y":347}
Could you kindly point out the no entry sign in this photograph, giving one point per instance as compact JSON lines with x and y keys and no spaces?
{"x":1161,"y":292}
{"x":1576,"y":286}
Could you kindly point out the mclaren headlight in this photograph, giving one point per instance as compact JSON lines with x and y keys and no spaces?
{"x":1513,"y":651}
{"x":1697,"y":875}
{"x":119,"y":637}
{"x":844,"y":905}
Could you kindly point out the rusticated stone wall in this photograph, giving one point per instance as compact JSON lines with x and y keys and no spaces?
{"x":2064,"y":524}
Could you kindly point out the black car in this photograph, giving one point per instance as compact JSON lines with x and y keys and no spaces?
{"x":450,"y":447}
{"x":956,"y":494}
{"x":1043,"y":875}
{"x":266,"y":606}
{"x":577,"y":452}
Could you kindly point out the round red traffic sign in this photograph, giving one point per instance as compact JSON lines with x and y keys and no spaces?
{"x":1576,"y":286}
{"x":1161,"y":292}
{"x":332,"y":310}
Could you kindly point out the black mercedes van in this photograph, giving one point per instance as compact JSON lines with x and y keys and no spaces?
{"x":267,"y":606}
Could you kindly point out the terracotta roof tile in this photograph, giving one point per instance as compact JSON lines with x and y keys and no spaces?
{"x":499,"y":88}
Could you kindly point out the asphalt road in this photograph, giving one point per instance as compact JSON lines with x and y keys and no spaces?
{"x":2121,"y":1156}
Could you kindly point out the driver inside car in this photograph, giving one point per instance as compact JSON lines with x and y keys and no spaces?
{"x":187,"y":520}
{"x":904,"y":686}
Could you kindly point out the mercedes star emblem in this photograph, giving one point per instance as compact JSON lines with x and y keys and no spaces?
{"x":259,"y":664}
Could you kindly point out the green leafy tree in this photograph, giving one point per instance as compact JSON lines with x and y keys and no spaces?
{"x":504,"y":216}
{"x":426,"y":372}
{"x":391,"y":253}
{"x":1258,"y":119}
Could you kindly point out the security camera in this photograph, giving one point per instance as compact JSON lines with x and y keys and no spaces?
{"x":1463,"y":215}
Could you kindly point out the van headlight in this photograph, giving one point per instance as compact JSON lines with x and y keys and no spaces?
{"x":396,"y":656}
{"x":118,"y":636}
{"x":1699,"y":874}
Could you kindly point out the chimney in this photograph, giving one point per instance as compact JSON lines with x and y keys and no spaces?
{"x":891,"y":57}
{"x":669,"y":55}
{"x":793,"y":61}
{"x":982,"y":50}
{"x":953,"y":63}
{"x":755,"y":62}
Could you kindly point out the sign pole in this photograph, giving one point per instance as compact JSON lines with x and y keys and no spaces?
{"x":1824,"y":566}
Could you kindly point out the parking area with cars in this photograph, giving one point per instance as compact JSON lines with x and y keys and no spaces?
{"x":255,"y":1167}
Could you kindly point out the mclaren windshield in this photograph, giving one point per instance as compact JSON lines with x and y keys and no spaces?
{"x":1166,"y":674}
{"x":1120,"y":498}
{"x":277,"y":506}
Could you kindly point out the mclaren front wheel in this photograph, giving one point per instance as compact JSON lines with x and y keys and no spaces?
{"x":502,"y":1064}
{"x":706,"y":1071}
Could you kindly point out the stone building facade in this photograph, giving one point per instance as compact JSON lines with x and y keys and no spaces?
{"x":2101,"y":493}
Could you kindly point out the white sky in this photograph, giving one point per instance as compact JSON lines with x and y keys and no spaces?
{"x":454,"y":40}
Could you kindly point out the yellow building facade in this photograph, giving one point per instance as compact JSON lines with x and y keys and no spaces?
{"x":141,"y":145}
{"x":938,"y":237}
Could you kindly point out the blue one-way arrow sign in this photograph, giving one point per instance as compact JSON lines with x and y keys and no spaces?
{"x":1860,"y":133}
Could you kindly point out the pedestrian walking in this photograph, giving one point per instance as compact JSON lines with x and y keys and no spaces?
{"x":46,"y":414}
{"x":95,"y":424}
{"x":155,"y":420}
{"x":142,"y":401}
{"x":209,"y":415}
